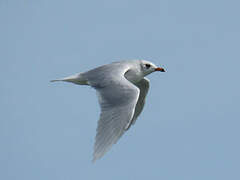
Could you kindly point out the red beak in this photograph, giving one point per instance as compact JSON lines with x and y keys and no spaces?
{"x":160,"y":69}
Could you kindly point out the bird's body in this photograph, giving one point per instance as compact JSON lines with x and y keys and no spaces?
{"x":121,"y":88}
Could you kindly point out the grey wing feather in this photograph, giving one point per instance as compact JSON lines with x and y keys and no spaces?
{"x":117,"y":110}
{"x":143,"y":85}
{"x":117,"y":98}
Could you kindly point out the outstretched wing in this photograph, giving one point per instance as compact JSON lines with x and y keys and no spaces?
{"x":117,"y":98}
{"x":143,"y":86}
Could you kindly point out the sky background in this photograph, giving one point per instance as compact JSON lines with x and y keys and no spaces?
{"x":189,"y":129}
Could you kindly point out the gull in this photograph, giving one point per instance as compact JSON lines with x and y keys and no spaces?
{"x":121,"y":88}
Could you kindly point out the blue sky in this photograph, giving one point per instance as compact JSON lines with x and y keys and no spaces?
{"x":190,"y":125}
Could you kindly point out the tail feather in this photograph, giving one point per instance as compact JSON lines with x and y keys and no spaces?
{"x":76,"y":79}
{"x":55,"y":80}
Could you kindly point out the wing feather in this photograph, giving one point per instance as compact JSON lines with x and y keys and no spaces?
{"x":117,"y":98}
{"x":143,"y":85}
{"x":117,"y":110}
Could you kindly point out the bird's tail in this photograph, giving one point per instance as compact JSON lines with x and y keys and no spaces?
{"x":77,"y":79}
{"x":54,"y":80}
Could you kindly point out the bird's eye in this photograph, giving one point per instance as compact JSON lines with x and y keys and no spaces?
{"x":147,"y":66}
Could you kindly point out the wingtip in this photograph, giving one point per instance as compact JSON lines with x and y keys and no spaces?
{"x":54,"y":80}
{"x":94,"y":160}
{"x":95,"y":157}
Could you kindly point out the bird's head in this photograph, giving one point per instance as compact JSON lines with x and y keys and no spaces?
{"x":148,"y":67}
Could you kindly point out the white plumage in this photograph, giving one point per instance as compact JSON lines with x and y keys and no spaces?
{"x":121,"y":89}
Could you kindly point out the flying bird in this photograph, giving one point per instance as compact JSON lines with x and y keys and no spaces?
{"x":121,"y":88}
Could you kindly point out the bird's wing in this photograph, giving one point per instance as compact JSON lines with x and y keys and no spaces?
{"x":117,"y":98}
{"x":143,"y":85}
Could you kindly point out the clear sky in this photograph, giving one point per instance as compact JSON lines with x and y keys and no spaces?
{"x":189,"y":129}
